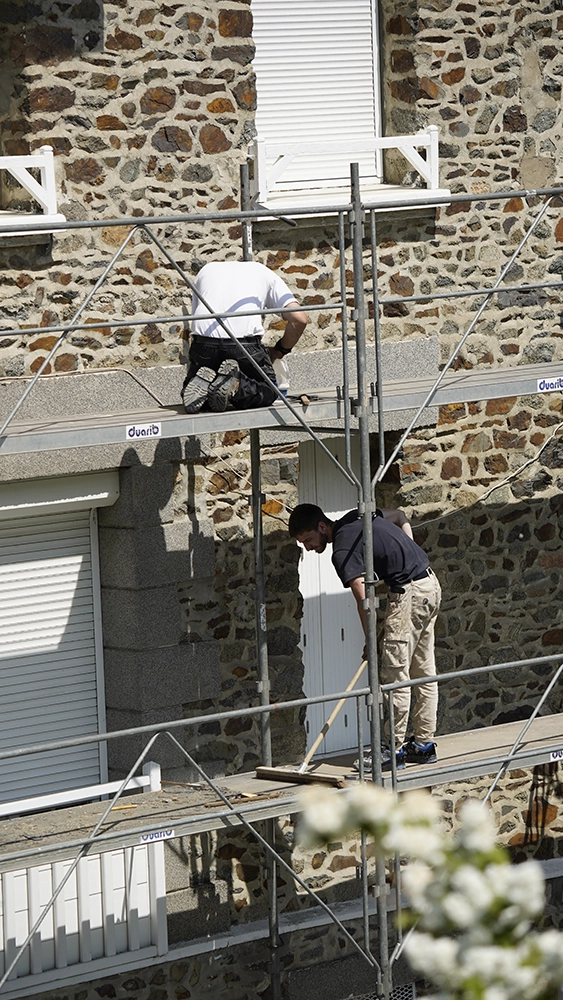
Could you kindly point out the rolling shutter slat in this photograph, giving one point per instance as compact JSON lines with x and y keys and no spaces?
{"x":48,"y":683}
{"x":315,"y":67}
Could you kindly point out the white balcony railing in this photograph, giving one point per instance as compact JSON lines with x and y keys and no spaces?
{"x":43,"y":191}
{"x":285,"y":169}
{"x":109,"y":917}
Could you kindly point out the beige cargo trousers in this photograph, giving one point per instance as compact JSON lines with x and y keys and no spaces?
{"x":407,"y":652}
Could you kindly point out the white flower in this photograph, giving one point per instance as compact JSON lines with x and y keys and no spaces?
{"x":455,"y":887}
{"x":372,"y":807}
{"x":525,"y":887}
{"x":490,"y":963}
{"x":436,"y":958}
{"x":460,"y":910}
{"x":417,"y":806}
{"x":416,"y":880}
{"x":547,"y":950}
{"x":421,"y":842}
{"x":477,"y":832}
{"x":496,"y":992}
{"x":475,"y":885}
{"x":325,"y":815}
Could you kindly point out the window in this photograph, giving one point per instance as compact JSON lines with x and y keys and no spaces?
{"x":51,"y":677}
{"x":317,"y":70}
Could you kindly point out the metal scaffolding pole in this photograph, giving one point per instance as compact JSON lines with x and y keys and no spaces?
{"x":367,"y":510}
{"x":274,"y":917}
{"x":245,"y":204}
{"x":344,"y":328}
{"x":257,"y":501}
{"x":377,"y":333}
{"x":260,"y":596}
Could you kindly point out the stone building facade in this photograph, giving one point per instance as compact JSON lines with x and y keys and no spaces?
{"x":149,"y":109}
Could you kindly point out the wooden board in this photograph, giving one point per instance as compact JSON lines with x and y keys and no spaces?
{"x":300,"y":777}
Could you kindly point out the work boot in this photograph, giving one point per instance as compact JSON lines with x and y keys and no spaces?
{"x":385,"y":760}
{"x":420,"y":753}
{"x":224,"y":386}
{"x":197,"y":390}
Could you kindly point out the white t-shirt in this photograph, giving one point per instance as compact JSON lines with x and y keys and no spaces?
{"x":230,"y":286}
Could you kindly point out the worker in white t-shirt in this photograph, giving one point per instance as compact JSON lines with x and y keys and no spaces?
{"x":218,"y":371}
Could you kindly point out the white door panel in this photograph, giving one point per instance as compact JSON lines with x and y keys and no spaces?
{"x":331,"y":634}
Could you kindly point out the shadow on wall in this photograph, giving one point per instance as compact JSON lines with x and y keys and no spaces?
{"x":500,"y":569}
{"x":216,"y":880}
{"x":145,"y":552}
{"x":179,"y":617}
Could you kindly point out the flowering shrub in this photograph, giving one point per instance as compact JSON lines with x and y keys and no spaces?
{"x":471,"y":911}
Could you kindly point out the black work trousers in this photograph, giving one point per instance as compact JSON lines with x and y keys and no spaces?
{"x":209,"y":352}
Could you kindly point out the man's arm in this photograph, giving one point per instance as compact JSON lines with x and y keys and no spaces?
{"x":357,"y":586}
{"x":295,"y":323}
{"x":399,"y":518}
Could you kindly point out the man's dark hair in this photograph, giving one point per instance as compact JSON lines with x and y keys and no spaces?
{"x":306,"y":517}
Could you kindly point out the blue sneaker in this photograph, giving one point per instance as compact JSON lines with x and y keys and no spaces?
{"x":420,"y":753}
{"x":385,"y":760}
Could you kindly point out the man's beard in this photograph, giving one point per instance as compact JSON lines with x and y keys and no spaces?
{"x":323,"y":541}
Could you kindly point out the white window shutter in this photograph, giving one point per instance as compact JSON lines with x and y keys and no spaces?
{"x":316,"y":65}
{"x":48,"y":669}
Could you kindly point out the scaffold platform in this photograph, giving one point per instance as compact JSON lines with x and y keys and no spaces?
{"x":185,"y":810}
{"x":316,"y":408}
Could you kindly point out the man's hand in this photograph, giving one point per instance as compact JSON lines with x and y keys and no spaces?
{"x":295,"y":323}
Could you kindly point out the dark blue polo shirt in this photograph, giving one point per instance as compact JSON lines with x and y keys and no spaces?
{"x":397,"y":559}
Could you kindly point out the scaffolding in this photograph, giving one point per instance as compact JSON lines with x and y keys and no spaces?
{"x":361,"y":403}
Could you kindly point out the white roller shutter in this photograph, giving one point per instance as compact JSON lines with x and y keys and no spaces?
{"x":317,"y":80}
{"x":48,"y":671}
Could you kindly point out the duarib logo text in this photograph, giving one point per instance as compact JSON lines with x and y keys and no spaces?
{"x":143,"y":431}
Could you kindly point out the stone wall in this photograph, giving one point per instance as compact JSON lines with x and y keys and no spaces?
{"x":149,"y":111}
{"x":498,"y":554}
{"x":489,"y":77}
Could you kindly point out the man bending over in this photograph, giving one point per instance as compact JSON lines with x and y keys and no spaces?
{"x":412,"y":607}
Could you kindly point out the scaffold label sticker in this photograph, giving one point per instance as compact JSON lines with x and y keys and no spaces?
{"x":143,"y":431}
{"x":550,"y":384}
{"x":556,"y":755}
{"x":149,"y":838}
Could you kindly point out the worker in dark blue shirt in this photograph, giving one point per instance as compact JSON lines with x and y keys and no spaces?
{"x":413,"y":602}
